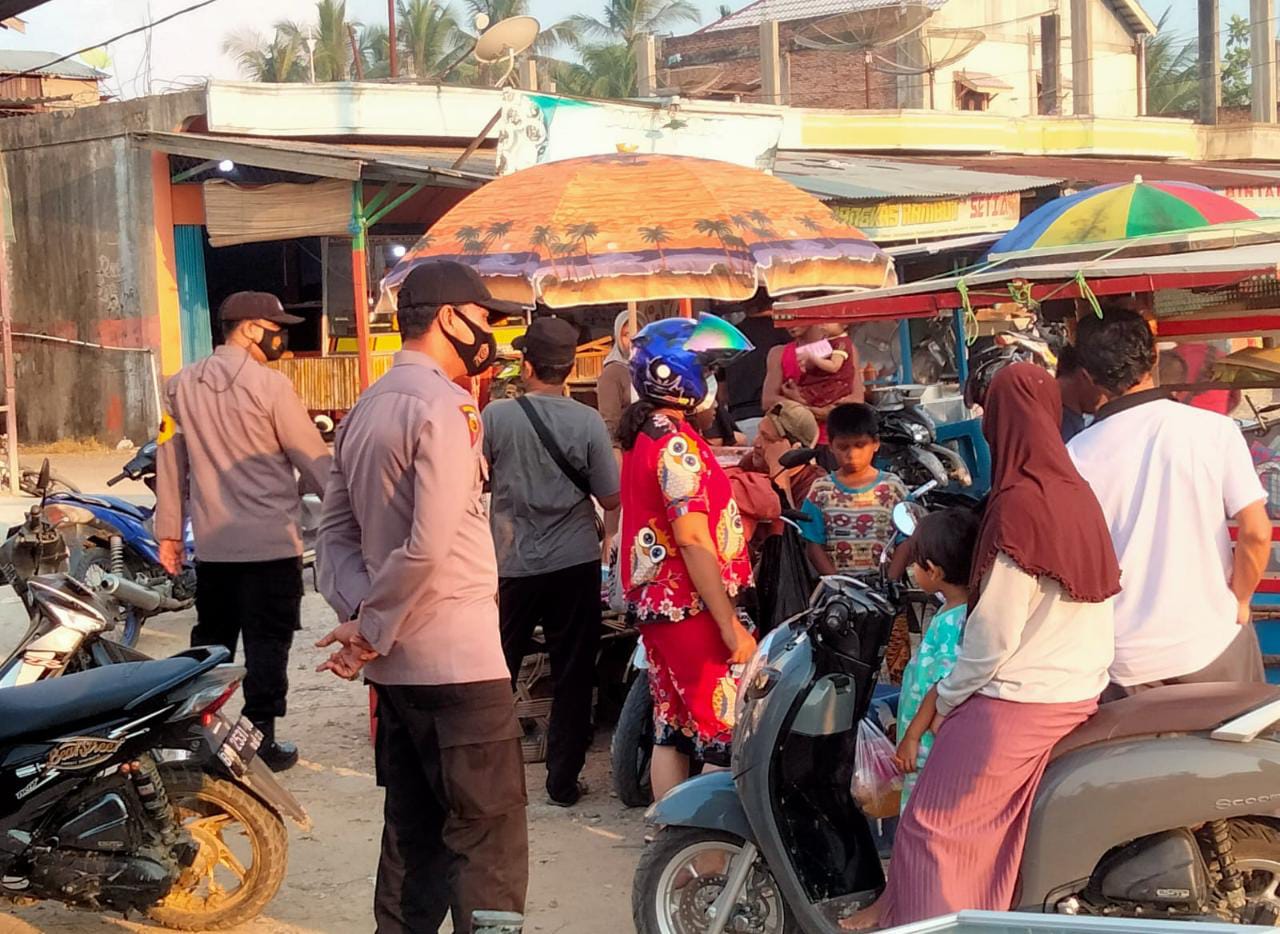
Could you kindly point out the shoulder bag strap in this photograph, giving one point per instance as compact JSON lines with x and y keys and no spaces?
{"x":576,"y":476}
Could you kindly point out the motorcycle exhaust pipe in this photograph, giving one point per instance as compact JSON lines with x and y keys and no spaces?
{"x":143,"y":598}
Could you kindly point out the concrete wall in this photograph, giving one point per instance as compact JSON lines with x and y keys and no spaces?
{"x":84,"y":266}
{"x":817,"y":78}
{"x":1010,"y":51}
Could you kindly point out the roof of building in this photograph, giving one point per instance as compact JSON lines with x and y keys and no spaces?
{"x":840,"y":177}
{"x":784,"y":11}
{"x":1084,"y":172}
{"x":1130,"y":12}
{"x":16,"y":61}
{"x":321,"y":160}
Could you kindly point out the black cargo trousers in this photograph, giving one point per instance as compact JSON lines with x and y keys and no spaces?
{"x":259,"y":602}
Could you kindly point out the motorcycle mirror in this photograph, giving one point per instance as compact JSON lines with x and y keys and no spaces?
{"x":42,"y":485}
{"x":797,"y":457}
{"x":904,"y":519}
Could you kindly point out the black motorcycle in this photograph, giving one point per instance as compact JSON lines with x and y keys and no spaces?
{"x":909,"y":444}
{"x":128,"y":789}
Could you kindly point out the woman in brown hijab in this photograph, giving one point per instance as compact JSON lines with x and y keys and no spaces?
{"x":1032,"y":661}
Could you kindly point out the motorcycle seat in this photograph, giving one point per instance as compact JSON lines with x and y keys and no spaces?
{"x":1174,"y":708}
{"x":58,"y":705}
{"x":114,"y":503}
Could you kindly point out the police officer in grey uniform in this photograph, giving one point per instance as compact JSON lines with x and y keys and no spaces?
{"x":405,"y":555}
{"x":234,"y":440}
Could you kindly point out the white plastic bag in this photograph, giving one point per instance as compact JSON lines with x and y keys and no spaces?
{"x":877,"y":783}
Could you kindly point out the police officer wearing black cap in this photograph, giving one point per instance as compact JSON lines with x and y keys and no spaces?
{"x":234,"y":441}
{"x":406,"y":557}
{"x":550,"y":461}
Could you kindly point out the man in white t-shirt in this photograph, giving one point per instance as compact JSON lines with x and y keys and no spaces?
{"x":1169,"y":477}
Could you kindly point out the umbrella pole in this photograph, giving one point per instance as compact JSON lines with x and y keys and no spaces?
{"x":360,"y":284}
{"x":631,"y":317}
{"x":686,"y":308}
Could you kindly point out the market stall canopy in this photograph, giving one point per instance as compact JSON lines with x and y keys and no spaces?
{"x":628,"y":227}
{"x":1119,"y":212}
{"x":1042,"y":282}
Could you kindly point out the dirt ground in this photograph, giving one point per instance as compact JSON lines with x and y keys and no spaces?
{"x":581,"y":858}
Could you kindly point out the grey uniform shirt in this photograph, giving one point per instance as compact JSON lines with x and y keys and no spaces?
{"x":404,"y":538}
{"x":234,"y":433}
{"x":541,"y":521}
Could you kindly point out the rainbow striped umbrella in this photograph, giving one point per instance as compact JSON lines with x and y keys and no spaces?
{"x":1119,"y":212}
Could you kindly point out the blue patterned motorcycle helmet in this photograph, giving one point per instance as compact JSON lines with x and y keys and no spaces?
{"x":670,"y":358}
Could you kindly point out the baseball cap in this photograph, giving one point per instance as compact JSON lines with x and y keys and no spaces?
{"x":794,"y":422}
{"x":252,"y":306}
{"x":444,"y":282}
{"x":552,"y":341}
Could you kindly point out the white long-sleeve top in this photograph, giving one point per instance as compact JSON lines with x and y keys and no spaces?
{"x":1027,"y":641}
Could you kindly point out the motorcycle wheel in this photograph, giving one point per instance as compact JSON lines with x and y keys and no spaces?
{"x":1256,"y":847}
{"x":84,"y":558}
{"x":29,"y":483}
{"x":243,"y":855}
{"x":680,"y":875}
{"x":632,"y":747}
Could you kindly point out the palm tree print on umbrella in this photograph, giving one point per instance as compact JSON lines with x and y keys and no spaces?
{"x":469,"y":237}
{"x":496,"y":231}
{"x":544,"y":237}
{"x":657,"y":235}
{"x":721,"y":230}
{"x":583,"y":234}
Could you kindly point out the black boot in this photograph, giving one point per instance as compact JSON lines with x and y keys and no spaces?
{"x":276,"y":756}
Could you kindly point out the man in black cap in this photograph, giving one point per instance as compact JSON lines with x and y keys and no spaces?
{"x":550,"y":462}
{"x":234,"y":439}
{"x":405,"y":556}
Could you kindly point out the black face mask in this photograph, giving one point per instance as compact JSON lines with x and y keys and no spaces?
{"x":273,"y":344}
{"x":477,"y":354}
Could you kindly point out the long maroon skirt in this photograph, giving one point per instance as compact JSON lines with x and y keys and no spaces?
{"x":959,"y":843}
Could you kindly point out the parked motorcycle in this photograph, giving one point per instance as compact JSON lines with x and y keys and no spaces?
{"x":909,"y":444}
{"x":128,"y":788}
{"x":1160,"y":806}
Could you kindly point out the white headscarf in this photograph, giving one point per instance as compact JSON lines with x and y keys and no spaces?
{"x":616,"y":353}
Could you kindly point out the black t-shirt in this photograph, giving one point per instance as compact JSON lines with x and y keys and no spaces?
{"x":745,"y":375}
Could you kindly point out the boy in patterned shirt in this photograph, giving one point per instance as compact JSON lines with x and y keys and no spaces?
{"x":849,"y":512}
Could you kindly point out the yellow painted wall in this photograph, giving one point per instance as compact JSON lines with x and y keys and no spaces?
{"x":166,"y":267}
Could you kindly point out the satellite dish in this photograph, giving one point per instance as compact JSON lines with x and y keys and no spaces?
{"x":865,"y":31}
{"x":504,"y":40}
{"x":481,"y":22}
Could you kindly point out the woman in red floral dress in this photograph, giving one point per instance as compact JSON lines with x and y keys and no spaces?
{"x":683,"y":550}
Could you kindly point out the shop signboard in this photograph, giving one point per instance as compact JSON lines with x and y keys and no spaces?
{"x":1263,"y":200}
{"x":888,"y":221}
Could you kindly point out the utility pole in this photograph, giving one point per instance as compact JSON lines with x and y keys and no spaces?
{"x":1050,"y":63}
{"x":1262,"y":54}
{"x":1210,"y":63}
{"x":391,"y":39}
{"x":1081,"y":58}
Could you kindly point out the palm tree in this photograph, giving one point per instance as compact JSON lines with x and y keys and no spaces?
{"x":657,"y":235}
{"x":332,"y":55}
{"x":1173,"y":71}
{"x":626,"y":20}
{"x":545,"y":237}
{"x":375,"y":50}
{"x":583,"y":234}
{"x":278,"y":60}
{"x":469,"y":237}
{"x":428,"y":33}
{"x":605,"y":71}
{"x":496,"y":231}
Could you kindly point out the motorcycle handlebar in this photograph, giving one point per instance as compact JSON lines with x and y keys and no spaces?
{"x":118,"y":478}
{"x":143,"y":598}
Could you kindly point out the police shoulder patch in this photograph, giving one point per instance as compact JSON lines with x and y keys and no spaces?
{"x":168,"y":428}
{"x":472,"y":415}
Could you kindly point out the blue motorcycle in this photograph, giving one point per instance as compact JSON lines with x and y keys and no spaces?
{"x":112,"y":535}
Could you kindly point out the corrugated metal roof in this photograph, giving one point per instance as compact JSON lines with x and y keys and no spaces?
{"x":1086,"y":171}
{"x":16,"y":61}
{"x":857,"y":178}
{"x":785,"y":11}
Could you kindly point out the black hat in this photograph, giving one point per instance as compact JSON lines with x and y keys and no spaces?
{"x":552,"y":341}
{"x":444,"y":282}
{"x":254,"y":306}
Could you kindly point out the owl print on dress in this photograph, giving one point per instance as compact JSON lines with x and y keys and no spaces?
{"x":648,"y":551}
{"x":679,"y":469}
{"x":730,"y":536}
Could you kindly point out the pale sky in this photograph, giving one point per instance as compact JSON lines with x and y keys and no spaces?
{"x":188,"y":49}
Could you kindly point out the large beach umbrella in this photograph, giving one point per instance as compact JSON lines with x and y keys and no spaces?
{"x":627,"y":228}
{"x":1120,"y":212}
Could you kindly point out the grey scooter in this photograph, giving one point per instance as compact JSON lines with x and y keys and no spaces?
{"x":1161,"y":806}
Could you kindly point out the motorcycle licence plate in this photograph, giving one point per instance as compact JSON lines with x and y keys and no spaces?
{"x":234,"y":744}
